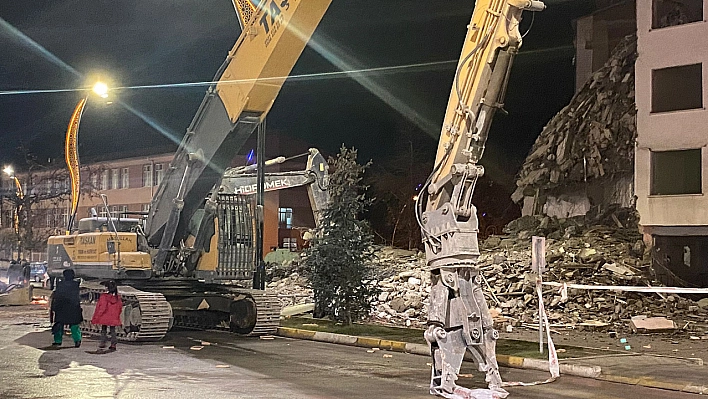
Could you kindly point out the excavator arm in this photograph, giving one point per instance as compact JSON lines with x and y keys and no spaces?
{"x":458,"y":317}
{"x":242,"y":181}
{"x":274,"y":35}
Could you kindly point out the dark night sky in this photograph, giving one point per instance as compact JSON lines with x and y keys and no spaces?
{"x":148,"y":42}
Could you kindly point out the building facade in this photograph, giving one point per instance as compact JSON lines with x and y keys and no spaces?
{"x":672,"y":125}
{"x":129,"y":185}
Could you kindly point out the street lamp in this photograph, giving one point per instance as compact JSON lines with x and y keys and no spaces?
{"x":10,"y":172}
{"x":101,"y":89}
{"x":71,"y":150}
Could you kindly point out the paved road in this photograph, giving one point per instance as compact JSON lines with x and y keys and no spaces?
{"x":240,"y":368}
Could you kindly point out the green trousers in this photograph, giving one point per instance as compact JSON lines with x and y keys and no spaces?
{"x":59,"y":332}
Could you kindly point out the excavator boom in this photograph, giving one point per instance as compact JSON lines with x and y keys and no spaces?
{"x":273,"y":37}
{"x":314,"y":177}
{"x":458,"y":316}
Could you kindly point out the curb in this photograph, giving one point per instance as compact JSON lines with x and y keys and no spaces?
{"x":577,"y":370}
{"x":653,"y":383}
{"x":423,"y":350}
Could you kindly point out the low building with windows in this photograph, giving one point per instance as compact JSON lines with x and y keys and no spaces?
{"x":671,"y":161}
{"x":129,"y":185}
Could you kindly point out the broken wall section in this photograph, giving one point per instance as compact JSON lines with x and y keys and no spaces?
{"x":584,"y":157}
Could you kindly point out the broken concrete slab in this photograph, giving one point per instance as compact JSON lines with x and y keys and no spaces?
{"x":297,"y":309}
{"x":586,"y":254}
{"x":703,"y":303}
{"x":651,"y":324}
{"x":618,"y":269}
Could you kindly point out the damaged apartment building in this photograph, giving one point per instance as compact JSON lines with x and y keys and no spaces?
{"x":634,"y":134}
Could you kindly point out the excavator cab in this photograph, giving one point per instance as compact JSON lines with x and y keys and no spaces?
{"x":225,"y":248}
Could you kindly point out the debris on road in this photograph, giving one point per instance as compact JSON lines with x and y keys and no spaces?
{"x":651,"y":324}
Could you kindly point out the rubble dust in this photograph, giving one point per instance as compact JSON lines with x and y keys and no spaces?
{"x":582,"y":250}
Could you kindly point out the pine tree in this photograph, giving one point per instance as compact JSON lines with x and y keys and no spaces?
{"x":340,"y":256}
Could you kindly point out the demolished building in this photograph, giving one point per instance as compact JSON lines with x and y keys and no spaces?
{"x":584,"y":156}
{"x":610,"y":147}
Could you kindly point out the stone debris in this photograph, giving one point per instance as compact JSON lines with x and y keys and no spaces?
{"x":593,"y":136}
{"x":651,"y":324}
{"x":582,"y":250}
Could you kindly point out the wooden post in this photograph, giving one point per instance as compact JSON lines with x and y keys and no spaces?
{"x":538,"y":266}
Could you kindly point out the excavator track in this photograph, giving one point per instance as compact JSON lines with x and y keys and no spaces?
{"x":206,"y":306}
{"x":267,"y":312}
{"x":146,"y":316}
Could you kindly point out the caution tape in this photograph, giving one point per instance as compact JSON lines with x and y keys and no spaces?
{"x":664,"y":290}
{"x":553,"y":365}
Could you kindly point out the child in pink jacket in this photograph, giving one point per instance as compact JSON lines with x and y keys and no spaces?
{"x":107,"y":314}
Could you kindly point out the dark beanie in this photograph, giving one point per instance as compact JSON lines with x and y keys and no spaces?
{"x":68,"y":274}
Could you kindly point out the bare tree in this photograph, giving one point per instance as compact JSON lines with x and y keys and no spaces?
{"x":395,"y":184}
{"x":45,"y":188}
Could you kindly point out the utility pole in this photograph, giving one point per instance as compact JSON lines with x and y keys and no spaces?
{"x":259,"y":274}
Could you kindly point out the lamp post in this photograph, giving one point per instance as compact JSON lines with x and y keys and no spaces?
{"x":71,"y":150}
{"x":18,"y":208}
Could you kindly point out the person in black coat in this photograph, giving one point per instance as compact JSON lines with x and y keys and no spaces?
{"x":65,"y":309}
{"x":14,"y":273}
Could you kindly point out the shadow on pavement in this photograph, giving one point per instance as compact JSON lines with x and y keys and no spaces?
{"x":54,"y":359}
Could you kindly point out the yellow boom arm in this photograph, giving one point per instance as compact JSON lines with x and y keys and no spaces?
{"x":274,"y":35}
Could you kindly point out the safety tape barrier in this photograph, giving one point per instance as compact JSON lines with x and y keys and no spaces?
{"x":552,"y":356}
{"x":627,"y":288}
{"x":553,"y":366}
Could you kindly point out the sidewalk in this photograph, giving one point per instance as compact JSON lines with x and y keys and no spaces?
{"x":653,"y":371}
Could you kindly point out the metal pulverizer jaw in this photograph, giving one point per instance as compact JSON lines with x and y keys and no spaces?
{"x":459,"y":320}
{"x":458,"y":316}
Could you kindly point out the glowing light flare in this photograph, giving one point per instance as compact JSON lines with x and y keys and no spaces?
{"x":9,"y":171}
{"x":101,"y":89}
{"x":36,"y":47}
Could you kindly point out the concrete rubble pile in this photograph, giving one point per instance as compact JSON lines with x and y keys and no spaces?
{"x":593,"y":136}
{"x":602,"y":248}
{"x":583,"y":250}
{"x":288,"y":281}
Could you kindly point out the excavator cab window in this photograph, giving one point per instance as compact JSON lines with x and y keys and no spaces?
{"x":102,"y":224}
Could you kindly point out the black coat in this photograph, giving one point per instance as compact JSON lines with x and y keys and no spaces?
{"x":66,"y":303}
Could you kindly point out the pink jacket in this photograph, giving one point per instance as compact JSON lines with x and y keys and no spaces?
{"x":108,"y":310}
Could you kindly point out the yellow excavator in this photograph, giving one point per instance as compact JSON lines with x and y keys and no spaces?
{"x":458,"y":316}
{"x":177,"y":268}
{"x":160,"y":267}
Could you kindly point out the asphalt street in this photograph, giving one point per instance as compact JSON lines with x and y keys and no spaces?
{"x":216,"y":365}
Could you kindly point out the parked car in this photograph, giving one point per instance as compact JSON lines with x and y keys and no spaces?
{"x":38,"y":272}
